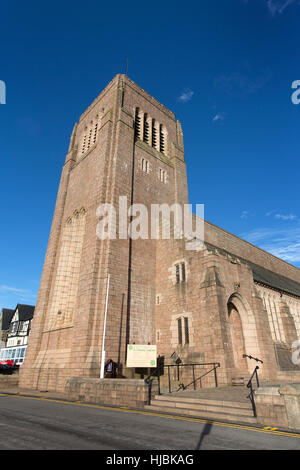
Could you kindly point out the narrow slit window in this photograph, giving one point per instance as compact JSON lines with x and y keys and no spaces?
{"x":177,"y":274}
{"x":145,"y":165}
{"x":179,"y":323}
{"x":183,"y":272}
{"x":186,"y":330}
{"x":162,"y":175}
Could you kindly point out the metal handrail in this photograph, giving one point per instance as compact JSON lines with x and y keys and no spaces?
{"x":251,"y":394}
{"x":157,"y":373}
{"x":216,"y":365}
{"x":255,"y":358}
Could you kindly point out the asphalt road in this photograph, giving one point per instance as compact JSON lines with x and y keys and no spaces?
{"x":39,"y":424}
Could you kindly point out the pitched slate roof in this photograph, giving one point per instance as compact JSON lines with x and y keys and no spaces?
{"x":271,"y":279}
{"x":25,"y":312}
{"x":7,"y":315}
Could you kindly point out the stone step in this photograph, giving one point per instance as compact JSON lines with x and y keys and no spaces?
{"x":179,"y":405}
{"x":232,"y":417}
{"x":203,"y":401}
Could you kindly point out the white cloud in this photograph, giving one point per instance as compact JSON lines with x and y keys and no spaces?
{"x":283,"y":243}
{"x":219,"y":117}
{"x":243,"y":82}
{"x":186,"y":95}
{"x":277,"y":215}
{"x":244,"y":215}
{"x":278,"y":6}
{"x":270,"y":213}
{"x":23,"y":295}
{"x":286,"y":217}
{"x":14,"y":290}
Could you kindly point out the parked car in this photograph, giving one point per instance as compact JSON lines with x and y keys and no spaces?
{"x":8,"y":367}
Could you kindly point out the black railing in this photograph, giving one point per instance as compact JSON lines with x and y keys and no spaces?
{"x":160,"y":371}
{"x":199,"y":379}
{"x":250,"y":386}
{"x":251,"y":357}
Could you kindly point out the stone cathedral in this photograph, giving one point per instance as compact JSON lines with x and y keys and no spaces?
{"x":217,"y":304}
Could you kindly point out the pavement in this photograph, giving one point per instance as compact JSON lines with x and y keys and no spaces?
{"x":44,"y":423}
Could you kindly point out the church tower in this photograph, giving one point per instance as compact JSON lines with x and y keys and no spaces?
{"x":125,"y":144}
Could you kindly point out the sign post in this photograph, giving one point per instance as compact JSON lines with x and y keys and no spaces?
{"x":104,"y":329}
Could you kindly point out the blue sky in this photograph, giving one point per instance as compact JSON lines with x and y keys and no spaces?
{"x":225,"y":67}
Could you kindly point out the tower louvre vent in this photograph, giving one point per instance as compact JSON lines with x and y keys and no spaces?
{"x":146,"y":129}
{"x":154,"y":134}
{"x":137,"y":126}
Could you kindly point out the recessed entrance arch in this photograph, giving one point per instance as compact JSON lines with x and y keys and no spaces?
{"x":243,"y":331}
{"x":237,"y":337}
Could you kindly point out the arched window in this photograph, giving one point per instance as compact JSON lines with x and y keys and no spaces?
{"x":64,"y":294}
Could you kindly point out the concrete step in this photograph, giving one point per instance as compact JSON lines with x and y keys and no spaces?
{"x":201,"y":401}
{"x":217,"y":415}
{"x":204,"y":406}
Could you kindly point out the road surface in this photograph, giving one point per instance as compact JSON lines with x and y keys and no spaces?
{"x":41,"y":424}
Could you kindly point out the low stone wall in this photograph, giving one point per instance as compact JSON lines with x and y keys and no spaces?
{"x":9,"y":381}
{"x":279,"y":406}
{"x":116,"y":392}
